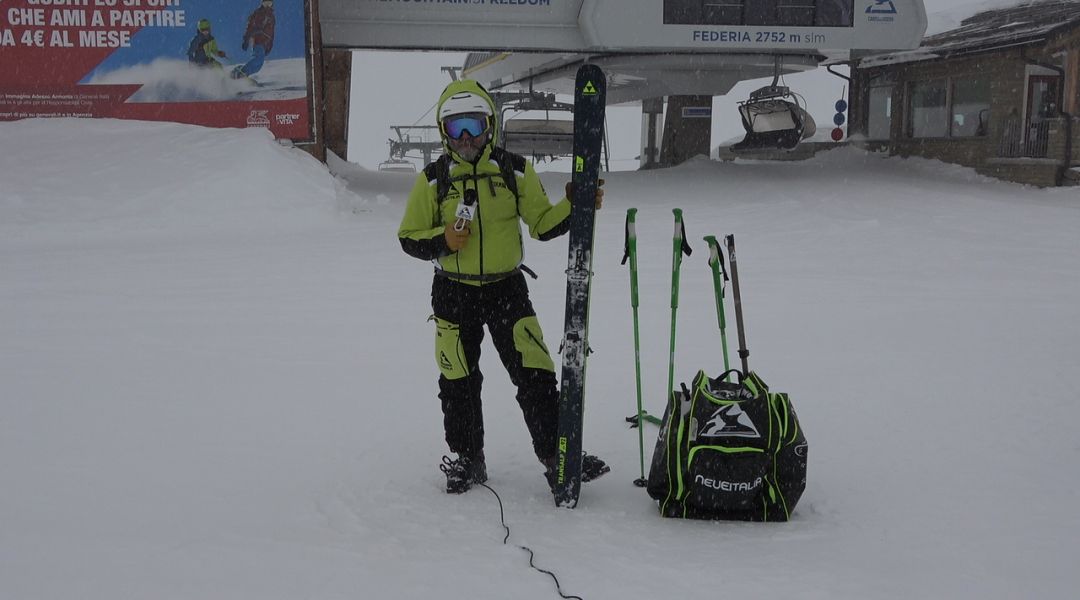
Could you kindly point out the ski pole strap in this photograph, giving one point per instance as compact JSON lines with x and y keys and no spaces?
{"x":685,"y":248}
{"x":630,"y":234}
{"x":716,"y":257}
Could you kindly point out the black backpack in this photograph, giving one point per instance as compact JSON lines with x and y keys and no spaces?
{"x":731,"y":451}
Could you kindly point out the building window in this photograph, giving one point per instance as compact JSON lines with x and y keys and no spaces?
{"x":794,"y":13}
{"x":970,"y":107}
{"x":929,"y":115}
{"x":879,"y":113}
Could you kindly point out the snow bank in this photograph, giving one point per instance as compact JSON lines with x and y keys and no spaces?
{"x":229,"y":390}
{"x":109,"y":175}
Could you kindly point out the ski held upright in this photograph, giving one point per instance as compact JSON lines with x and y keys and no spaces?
{"x":589,"y":104}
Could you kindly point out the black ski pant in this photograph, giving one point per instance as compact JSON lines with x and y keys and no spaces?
{"x":461,"y":312}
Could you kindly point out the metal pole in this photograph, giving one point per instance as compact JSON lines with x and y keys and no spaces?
{"x":743,"y":352}
{"x":678,"y":247}
{"x":631,"y":255}
{"x":716,"y":262}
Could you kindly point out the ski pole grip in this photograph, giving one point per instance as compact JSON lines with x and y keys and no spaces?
{"x":679,"y":237}
{"x":629,"y":237}
{"x":714,"y":249}
{"x":630,"y":253}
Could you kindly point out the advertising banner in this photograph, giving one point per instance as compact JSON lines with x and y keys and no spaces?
{"x":240,"y":63}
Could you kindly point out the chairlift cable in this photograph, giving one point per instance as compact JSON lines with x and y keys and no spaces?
{"x":425,"y":113}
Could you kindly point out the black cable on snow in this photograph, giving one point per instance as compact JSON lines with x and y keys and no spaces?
{"x":502,"y":518}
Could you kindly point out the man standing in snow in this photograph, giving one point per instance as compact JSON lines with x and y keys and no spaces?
{"x":464,"y":215}
{"x":259,"y":36}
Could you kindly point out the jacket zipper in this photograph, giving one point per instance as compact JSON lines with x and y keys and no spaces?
{"x":476,"y":186}
{"x":536,"y":341}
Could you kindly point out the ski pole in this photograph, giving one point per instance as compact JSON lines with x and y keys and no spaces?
{"x":743,"y":352}
{"x":716,"y":262}
{"x":678,"y":248}
{"x":630,"y":253}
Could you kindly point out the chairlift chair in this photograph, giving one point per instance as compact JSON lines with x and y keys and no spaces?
{"x":537,"y":137}
{"x":395,"y":165}
{"x":774,"y":118}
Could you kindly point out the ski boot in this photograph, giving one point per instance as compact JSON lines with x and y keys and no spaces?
{"x":462,"y":473}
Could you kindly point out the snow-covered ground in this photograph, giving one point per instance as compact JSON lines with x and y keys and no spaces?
{"x":216,"y":381}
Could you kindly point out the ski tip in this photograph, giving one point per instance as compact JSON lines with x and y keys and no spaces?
{"x":589,"y":68}
{"x":590,"y":81}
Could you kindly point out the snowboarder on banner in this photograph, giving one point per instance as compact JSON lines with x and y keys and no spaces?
{"x":203,"y":50}
{"x":464,"y":215}
{"x":259,"y":37}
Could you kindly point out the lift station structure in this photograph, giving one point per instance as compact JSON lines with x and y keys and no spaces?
{"x":684,"y":51}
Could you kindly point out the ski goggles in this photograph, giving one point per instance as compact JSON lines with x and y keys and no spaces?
{"x":456,"y":125}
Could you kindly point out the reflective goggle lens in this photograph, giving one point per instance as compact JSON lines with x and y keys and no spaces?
{"x":456,"y":126}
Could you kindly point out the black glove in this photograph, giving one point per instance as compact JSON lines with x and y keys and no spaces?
{"x":599,"y":192}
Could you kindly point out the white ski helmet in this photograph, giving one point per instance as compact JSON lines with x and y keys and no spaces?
{"x":465,"y":102}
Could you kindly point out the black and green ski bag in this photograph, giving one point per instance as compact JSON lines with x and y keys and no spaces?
{"x":731,"y":451}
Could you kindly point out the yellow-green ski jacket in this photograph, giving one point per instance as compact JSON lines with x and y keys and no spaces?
{"x":495,"y":247}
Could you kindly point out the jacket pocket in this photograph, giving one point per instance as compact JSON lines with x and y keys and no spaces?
{"x":724,"y":478}
{"x":449,"y":353}
{"x":529,"y":342}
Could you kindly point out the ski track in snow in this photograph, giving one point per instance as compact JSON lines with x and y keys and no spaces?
{"x":216,"y":380}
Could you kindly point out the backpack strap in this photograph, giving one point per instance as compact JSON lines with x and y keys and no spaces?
{"x":509,"y":164}
{"x":439,"y":172}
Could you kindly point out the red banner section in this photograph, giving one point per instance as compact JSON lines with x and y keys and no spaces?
{"x":241,"y":63}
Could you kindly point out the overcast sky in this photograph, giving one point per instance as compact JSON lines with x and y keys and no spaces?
{"x":398,"y":88}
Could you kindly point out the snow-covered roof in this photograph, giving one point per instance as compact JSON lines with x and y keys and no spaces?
{"x":985,"y":25}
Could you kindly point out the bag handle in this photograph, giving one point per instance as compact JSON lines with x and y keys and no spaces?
{"x":723,"y":376}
